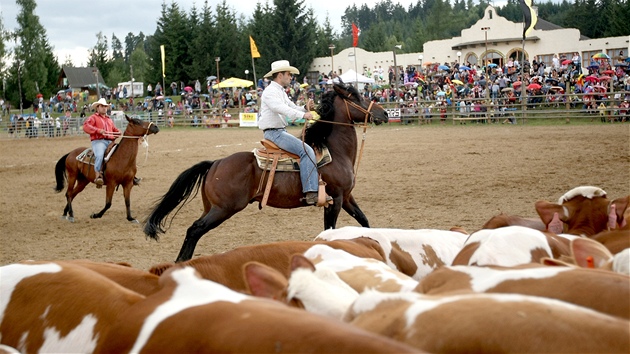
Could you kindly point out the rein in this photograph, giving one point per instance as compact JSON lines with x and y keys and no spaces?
{"x":368,"y":114}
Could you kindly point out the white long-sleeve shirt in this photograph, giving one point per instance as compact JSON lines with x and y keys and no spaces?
{"x":276,"y":107}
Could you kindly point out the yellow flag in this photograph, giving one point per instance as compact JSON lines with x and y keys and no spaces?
{"x":163,"y":62}
{"x":253,"y":48}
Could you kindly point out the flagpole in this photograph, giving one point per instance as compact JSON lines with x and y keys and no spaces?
{"x":254,"y":69}
{"x":523,"y":88}
{"x":356,"y":73}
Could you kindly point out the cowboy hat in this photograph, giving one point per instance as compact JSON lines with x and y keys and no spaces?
{"x":280,"y":66}
{"x":100,"y":102}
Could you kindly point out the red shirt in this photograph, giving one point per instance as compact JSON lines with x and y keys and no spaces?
{"x":95,"y":123}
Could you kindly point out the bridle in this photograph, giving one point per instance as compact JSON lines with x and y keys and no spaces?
{"x":368,"y":119}
{"x":367,"y":112}
{"x":145,"y":142}
{"x":139,"y":136}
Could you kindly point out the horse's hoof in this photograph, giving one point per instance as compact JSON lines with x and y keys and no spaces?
{"x":63,"y":217}
{"x":94,"y":216}
{"x":70,"y":218}
{"x":134,"y":221}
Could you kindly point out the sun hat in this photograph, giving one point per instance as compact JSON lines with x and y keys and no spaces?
{"x":280,"y":66}
{"x":100,"y":102}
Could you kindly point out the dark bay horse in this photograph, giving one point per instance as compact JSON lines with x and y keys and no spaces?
{"x":120,"y":169}
{"x":231,"y":183}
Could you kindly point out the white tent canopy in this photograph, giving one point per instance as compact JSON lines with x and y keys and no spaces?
{"x":351,"y":76}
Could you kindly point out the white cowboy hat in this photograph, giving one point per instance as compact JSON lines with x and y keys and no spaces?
{"x":282,"y":65}
{"x":100,"y":102}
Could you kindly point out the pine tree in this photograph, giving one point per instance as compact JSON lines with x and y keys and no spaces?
{"x":33,"y":56}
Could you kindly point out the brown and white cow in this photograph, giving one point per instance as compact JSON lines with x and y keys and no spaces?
{"x":588,"y":253}
{"x":510,"y":246}
{"x":324,"y":280}
{"x":58,"y":307}
{"x":226,"y":268}
{"x":489,"y":323}
{"x":415,"y":253}
{"x":585,"y":211}
{"x":190,"y":314}
{"x":360,"y":273}
{"x":600,"y":290}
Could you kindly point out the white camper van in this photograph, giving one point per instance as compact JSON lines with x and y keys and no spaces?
{"x":138,"y":89}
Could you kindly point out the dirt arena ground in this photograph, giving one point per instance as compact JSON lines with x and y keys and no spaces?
{"x":410,"y":177}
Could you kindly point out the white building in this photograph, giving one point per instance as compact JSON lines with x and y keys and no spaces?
{"x":492,"y":37}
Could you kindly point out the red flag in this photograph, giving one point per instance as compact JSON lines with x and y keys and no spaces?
{"x":355,"y":35}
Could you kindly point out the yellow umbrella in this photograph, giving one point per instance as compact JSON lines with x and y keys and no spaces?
{"x":233,"y":82}
{"x":457,"y":82}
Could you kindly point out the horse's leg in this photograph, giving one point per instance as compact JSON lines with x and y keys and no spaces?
{"x":352,"y":208}
{"x":215,"y":217}
{"x":108,"y":201}
{"x":75,"y":186}
{"x":331,"y":213}
{"x":127,"y":193}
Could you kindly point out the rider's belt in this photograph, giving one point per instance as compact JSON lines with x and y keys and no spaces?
{"x":264,"y":130}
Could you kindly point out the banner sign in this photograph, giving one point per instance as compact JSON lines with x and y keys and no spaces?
{"x":248,"y":119}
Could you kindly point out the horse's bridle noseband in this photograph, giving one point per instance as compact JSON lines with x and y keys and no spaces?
{"x":368,"y":111}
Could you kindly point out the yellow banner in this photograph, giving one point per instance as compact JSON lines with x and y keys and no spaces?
{"x":163,"y":62}
{"x":253,"y":48}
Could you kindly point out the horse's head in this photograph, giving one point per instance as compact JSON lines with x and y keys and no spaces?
{"x":357,"y":108}
{"x":138,"y":127}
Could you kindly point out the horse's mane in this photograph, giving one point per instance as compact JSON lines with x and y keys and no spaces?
{"x":317,"y":134}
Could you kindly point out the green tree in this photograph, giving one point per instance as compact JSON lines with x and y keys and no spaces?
{"x":202,"y":45}
{"x":33,"y":57}
{"x":140,"y":63}
{"x":294,"y":29}
{"x":98,"y":55}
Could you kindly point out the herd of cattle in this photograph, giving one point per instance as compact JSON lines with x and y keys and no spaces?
{"x":558,"y":283}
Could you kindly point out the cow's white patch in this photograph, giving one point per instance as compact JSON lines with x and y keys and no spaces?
{"x":507,"y":246}
{"x":81,"y":339}
{"x":191,"y":291}
{"x":589,"y":192}
{"x":342,"y":261}
{"x":445,"y":244}
{"x":621,"y":262}
{"x":321,"y":291}
{"x":11,"y":275}
{"x":483,"y":279}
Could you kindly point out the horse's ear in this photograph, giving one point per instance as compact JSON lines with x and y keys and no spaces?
{"x":127,"y":118}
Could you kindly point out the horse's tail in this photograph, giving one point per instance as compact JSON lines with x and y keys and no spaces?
{"x":60,"y":173}
{"x":180,"y":192}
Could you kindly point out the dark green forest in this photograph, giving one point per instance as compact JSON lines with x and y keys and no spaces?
{"x":282,"y":29}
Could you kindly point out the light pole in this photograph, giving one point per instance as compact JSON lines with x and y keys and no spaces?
{"x":332,"y":60}
{"x":399,"y":46}
{"x":131,"y":72}
{"x":98,"y":89}
{"x":246,"y":74}
{"x":459,"y":55}
{"x":485,"y":57}
{"x":218,"y":59}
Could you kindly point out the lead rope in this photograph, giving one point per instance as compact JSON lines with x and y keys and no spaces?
{"x":365,"y":125}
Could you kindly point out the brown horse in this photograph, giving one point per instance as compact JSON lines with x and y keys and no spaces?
{"x":119,"y":170}
{"x":229,"y":184}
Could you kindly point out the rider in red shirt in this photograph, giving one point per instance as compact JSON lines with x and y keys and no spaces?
{"x":102,"y":132}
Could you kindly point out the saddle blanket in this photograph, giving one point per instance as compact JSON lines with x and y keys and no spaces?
{"x":87,"y":156}
{"x":289,"y":163}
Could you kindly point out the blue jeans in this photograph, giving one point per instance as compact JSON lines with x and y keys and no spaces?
{"x":308,"y":169}
{"x":99,"y":147}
